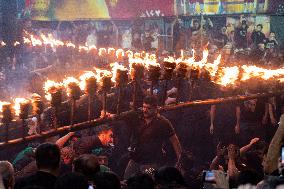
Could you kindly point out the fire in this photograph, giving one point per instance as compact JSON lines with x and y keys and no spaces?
{"x":69,"y":44}
{"x":2,"y":103}
{"x":229,"y":76}
{"x":27,"y":40}
{"x":119,"y":53}
{"x":87,"y":75}
{"x":35,"y":42}
{"x":254,"y":71}
{"x":213,"y":68}
{"x":150,"y":60}
{"x":110,"y":50}
{"x":129,"y":53}
{"x":17,"y":105}
{"x":3,"y":43}
{"x":115,"y":67}
{"x":102,"y":51}
{"x":170,"y":59}
{"x":50,"y":85}
{"x":16,"y":43}
{"x":83,"y":48}
{"x":50,"y":40}
{"x":102,"y":73}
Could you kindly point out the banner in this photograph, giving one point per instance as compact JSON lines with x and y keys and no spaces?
{"x":211,"y":7}
{"x":46,"y":10}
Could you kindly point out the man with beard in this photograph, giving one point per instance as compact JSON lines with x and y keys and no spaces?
{"x":149,"y":132}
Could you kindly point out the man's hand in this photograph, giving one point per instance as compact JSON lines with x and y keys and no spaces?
{"x":220,"y":150}
{"x":211,"y":129}
{"x":253,"y":141}
{"x":237,"y":129}
{"x":222,"y":181}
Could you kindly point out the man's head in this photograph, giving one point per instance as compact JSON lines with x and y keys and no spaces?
{"x":150,"y":107}
{"x":7,"y":173}
{"x":88,"y":165}
{"x":140,"y":181}
{"x":47,"y":157}
{"x":106,"y":137}
{"x":259,"y":27}
{"x":196,"y":24}
{"x":67,"y":155}
{"x":72,"y":180}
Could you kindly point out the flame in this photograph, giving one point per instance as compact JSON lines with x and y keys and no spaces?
{"x":17,"y":105}
{"x":16,"y":43}
{"x":87,"y":75}
{"x":150,"y":60}
{"x":3,"y":43}
{"x":170,"y":59}
{"x":92,"y":47}
{"x":115,"y":67}
{"x":129,"y":53}
{"x":70,"y":44}
{"x":2,"y":103}
{"x":27,"y":40}
{"x":229,"y":76}
{"x":101,"y":73}
{"x":102,"y":51}
{"x":213,"y":68}
{"x":83,"y":48}
{"x":50,"y":40}
{"x":119,"y":53}
{"x":50,"y":85}
{"x":254,"y":71}
{"x":110,"y":51}
{"x":35,"y":42}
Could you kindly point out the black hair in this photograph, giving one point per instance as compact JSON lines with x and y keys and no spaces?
{"x":167,"y":176}
{"x":88,"y":165}
{"x":260,"y":25}
{"x":107,"y":180}
{"x":140,"y":181}
{"x":249,"y":176}
{"x":151,"y":100}
{"x":72,"y":181}
{"x":47,"y":156}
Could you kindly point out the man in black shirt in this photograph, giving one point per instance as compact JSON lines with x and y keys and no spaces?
{"x":47,"y":161}
{"x":241,"y":36}
{"x":257,"y":35}
{"x":150,"y":132}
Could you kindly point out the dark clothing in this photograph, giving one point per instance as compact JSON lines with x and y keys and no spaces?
{"x":257,"y":55}
{"x":221,"y":40}
{"x":241,"y":37}
{"x":257,"y":37}
{"x":85,"y":145}
{"x":148,"y":139}
{"x":271,"y":44}
{"x":41,"y":179}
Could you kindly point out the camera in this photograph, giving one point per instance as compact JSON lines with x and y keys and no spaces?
{"x":208,"y":177}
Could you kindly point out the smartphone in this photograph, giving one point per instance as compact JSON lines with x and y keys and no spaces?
{"x":208,"y":177}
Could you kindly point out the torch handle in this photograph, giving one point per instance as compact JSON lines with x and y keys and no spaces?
{"x":90,"y":107}
{"x":118,"y":106}
{"x":134,"y":97}
{"x":165,"y":92}
{"x":24,"y":128}
{"x":73,"y":109}
{"x":39,"y":123}
{"x":7,"y":132}
{"x":104,"y":103}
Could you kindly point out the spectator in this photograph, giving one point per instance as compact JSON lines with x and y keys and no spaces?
{"x":88,"y":165}
{"x":221,"y":38}
{"x":47,"y":157}
{"x":257,"y":35}
{"x":72,"y":181}
{"x":7,"y":178}
{"x":169,"y":177}
{"x":241,"y":35}
{"x":107,"y":180}
{"x":140,"y":181}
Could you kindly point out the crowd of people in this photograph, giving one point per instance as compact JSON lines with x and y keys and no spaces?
{"x":239,"y":142}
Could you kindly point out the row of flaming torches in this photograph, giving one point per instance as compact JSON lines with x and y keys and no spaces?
{"x":92,"y":81}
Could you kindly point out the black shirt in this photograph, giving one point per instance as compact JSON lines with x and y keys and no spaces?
{"x":148,"y":139}
{"x":41,"y":179}
{"x":257,"y":37}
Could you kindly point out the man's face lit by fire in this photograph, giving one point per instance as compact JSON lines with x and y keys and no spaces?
{"x":149,"y":111}
{"x":106,"y":137}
